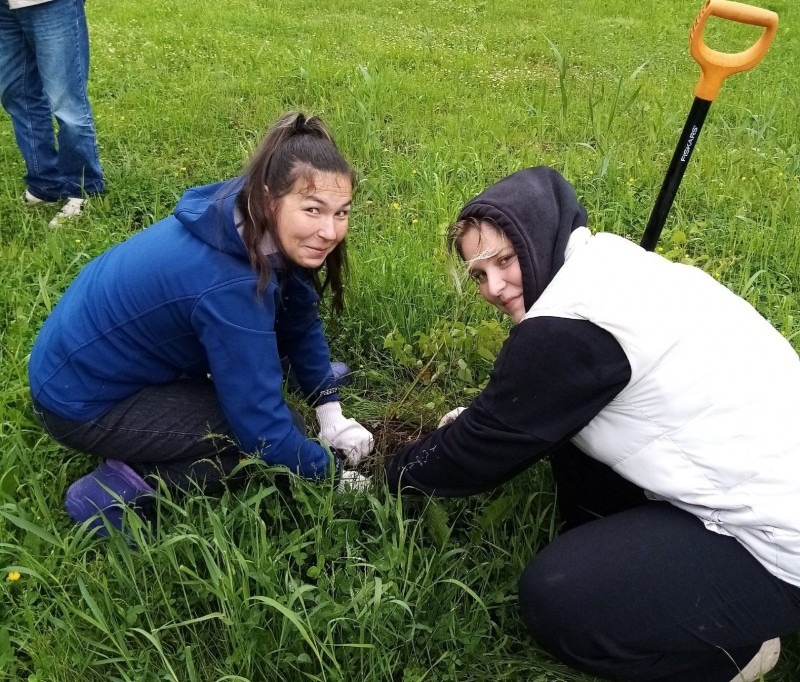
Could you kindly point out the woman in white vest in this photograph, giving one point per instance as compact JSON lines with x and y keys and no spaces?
{"x":668,"y":408}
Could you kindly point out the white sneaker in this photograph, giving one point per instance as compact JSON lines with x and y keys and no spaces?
{"x":32,"y":200}
{"x":69,"y":211}
{"x":761,"y":663}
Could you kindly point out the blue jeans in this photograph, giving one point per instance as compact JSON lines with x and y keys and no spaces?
{"x":44,"y":68}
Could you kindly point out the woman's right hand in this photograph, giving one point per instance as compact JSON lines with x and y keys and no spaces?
{"x":343,"y":434}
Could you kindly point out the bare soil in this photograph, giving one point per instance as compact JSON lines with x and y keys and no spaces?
{"x":390,"y":435}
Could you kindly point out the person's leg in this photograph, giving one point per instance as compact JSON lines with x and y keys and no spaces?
{"x":174,"y":431}
{"x":587,"y":489}
{"x":650,"y":594}
{"x":23,"y":98}
{"x":60,"y":39}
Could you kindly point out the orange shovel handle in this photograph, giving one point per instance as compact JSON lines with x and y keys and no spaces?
{"x":717,"y":66}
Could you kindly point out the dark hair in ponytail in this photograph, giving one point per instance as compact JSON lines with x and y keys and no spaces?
{"x":296,"y":147}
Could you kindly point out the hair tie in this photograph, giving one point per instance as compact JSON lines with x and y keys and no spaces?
{"x":300,"y":125}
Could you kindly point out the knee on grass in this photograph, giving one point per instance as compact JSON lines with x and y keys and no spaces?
{"x":554,"y":608}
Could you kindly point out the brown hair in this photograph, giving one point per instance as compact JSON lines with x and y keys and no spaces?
{"x":457,"y":231}
{"x":296,"y":147}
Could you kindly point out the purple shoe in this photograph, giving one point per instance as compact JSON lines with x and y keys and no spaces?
{"x":103,"y":493}
{"x":342,"y":374}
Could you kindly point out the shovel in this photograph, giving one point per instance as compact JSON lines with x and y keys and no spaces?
{"x":716,"y":67}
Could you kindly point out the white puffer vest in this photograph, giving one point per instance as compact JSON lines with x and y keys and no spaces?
{"x":710,"y":418}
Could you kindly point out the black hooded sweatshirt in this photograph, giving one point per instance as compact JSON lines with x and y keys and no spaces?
{"x":552,"y":376}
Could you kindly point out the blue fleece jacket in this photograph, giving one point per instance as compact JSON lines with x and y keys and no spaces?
{"x":177,"y":299}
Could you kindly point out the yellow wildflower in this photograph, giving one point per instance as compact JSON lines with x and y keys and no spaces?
{"x":13,"y":576}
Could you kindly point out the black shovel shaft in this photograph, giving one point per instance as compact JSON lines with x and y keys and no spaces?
{"x":677,"y":167}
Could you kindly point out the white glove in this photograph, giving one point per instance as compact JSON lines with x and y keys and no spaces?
{"x":350,"y":480}
{"x":450,"y":417}
{"x":343,"y":434}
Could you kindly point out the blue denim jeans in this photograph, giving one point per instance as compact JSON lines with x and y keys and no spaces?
{"x":44,"y":68}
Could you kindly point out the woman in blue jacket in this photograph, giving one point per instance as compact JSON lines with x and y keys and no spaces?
{"x":163,"y":357}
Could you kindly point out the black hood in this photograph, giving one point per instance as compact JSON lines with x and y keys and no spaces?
{"x":537,"y":209}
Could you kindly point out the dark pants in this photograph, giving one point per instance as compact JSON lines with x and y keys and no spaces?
{"x":641,"y":590}
{"x":174,"y":431}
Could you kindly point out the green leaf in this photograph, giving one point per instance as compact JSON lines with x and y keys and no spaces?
{"x":38,"y":531}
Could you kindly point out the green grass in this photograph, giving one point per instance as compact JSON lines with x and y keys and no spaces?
{"x":431,"y":101}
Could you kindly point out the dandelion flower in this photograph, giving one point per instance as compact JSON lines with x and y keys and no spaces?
{"x":395,"y":206}
{"x":13,"y":576}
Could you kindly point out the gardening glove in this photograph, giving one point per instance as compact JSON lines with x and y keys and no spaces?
{"x":450,"y":417}
{"x":350,"y":480}
{"x":343,"y":434}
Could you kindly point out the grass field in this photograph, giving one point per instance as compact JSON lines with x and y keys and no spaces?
{"x":431,"y":101}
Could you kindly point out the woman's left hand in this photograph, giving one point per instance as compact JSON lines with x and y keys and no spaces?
{"x":450,"y":417}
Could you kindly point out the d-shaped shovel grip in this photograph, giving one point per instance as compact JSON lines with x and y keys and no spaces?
{"x":717,"y":66}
